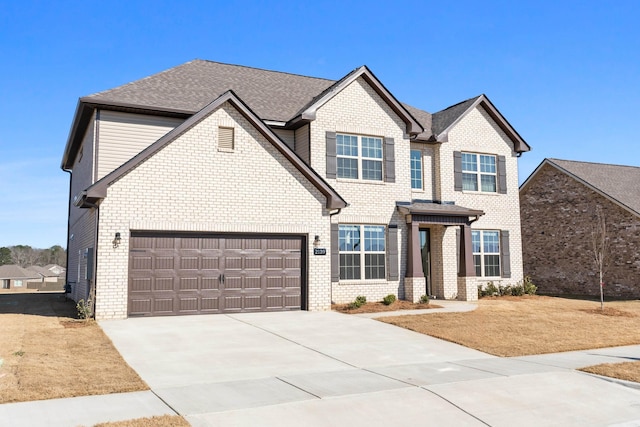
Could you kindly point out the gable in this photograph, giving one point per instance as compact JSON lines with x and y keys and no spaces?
{"x":294,"y":164}
{"x":477,"y":131}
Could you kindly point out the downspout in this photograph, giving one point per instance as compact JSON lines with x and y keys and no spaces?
{"x":335,"y":213}
{"x":66,"y":267}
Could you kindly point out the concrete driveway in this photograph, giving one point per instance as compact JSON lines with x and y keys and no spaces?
{"x":327,"y":368}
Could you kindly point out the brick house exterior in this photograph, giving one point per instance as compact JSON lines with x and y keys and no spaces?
{"x":558,"y":205}
{"x":219,"y":188}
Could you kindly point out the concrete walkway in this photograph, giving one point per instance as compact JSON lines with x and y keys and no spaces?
{"x":320,"y":369}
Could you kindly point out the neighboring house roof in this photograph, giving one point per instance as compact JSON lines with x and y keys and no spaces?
{"x":443,"y":121}
{"x":12,"y":271}
{"x":98,"y":190}
{"x":619,"y":183}
{"x":43,"y":271}
{"x":54,"y":267}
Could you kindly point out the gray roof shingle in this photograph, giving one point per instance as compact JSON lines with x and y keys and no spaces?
{"x":621,"y":183}
{"x":443,"y":119}
{"x":13,"y":271}
{"x":272,"y":95}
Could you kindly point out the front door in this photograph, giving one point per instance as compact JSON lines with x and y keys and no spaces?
{"x":425,"y":251}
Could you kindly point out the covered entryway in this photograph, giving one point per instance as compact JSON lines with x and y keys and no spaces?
{"x":184,"y":273}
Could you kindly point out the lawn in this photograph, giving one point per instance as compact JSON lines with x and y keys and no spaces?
{"x":519,"y":326}
{"x":45,"y":353}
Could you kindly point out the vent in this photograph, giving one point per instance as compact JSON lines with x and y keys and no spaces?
{"x":225,"y":139}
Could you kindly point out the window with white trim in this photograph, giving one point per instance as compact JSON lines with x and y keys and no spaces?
{"x":486,"y":252}
{"x":359,"y":157}
{"x":362,"y":251}
{"x":416,"y":169}
{"x":479,"y":172}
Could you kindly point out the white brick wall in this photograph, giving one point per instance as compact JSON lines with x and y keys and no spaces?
{"x":358,"y":109}
{"x":477,"y":133}
{"x":190,"y":185}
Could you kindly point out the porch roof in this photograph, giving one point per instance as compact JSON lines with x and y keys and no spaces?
{"x":439,"y":209}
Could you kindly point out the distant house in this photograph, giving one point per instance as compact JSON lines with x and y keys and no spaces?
{"x":45,"y":274}
{"x":558,"y":203}
{"x":56,"y":269}
{"x":15,"y":277}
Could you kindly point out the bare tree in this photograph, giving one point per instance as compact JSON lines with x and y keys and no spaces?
{"x":600,"y":245}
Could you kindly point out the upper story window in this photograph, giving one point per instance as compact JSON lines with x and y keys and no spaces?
{"x":486,"y":252}
{"x":416,"y":169}
{"x":359,"y":157}
{"x":479,"y":172}
{"x":361,"y":257}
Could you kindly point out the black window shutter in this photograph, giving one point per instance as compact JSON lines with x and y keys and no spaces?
{"x":331,"y":155}
{"x":502,"y":175}
{"x":457,"y":171}
{"x":392,"y":252}
{"x":335,"y":254}
{"x":389,"y":160}
{"x":505,"y":256}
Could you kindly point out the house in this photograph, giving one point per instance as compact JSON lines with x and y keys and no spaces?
{"x":558,"y":205}
{"x":44,"y":274}
{"x":15,"y":278}
{"x":55,"y":268}
{"x":217,"y":188}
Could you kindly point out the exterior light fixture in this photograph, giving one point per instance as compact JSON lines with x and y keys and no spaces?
{"x":316,"y":240}
{"x":117,"y":240}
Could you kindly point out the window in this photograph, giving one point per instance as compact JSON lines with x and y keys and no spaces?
{"x":225,"y":139}
{"x":362,"y":251}
{"x":416,"y":169}
{"x":479,"y":172}
{"x":5,"y":283}
{"x":359,"y":157}
{"x":17,"y":283}
{"x":486,"y":252}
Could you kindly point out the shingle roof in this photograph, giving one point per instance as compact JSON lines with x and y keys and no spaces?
{"x":42,"y":271}
{"x":621,"y":183}
{"x":12,"y":271}
{"x":272,"y":95}
{"x":443,"y":119}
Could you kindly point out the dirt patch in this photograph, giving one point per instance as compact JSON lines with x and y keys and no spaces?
{"x":47,"y":354}
{"x":519,"y":326}
{"x":163,"y":421}
{"x":628,"y":371}
{"x":378,"y":307}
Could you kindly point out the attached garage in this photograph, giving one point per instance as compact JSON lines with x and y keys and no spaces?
{"x":186,"y":273}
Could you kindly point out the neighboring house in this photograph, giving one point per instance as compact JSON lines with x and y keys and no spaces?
{"x":558,"y":205}
{"x":15,"y":277}
{"x":212,"y":188}
{"x":45,"y":274}
{"x":55,"y":268}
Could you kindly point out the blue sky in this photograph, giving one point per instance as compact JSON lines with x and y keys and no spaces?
{"x":564,"y":73}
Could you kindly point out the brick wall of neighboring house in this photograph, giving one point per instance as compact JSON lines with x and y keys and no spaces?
{"x":191,"y":186}
{"x":359,"y":110}
{"x":477,"y":133}
{"x":557,"y":217}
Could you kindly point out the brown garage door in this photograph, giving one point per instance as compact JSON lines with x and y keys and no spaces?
{"x":172,"y":274}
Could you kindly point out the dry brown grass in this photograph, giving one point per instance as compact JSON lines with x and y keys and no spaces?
{"x":47,"y":354}
{"x":518,"y":326}
{"x":163,"y":421}
{"x":378,"y":307}
{"x":629,"y":371}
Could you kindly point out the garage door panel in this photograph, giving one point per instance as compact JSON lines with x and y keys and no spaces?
{"x":182,"y":275}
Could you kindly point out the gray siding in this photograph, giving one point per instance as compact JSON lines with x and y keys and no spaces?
{"x":288,"y":136}
{"x":123,"y":135}
{"x":302,"y":143}
{"x":82,"y":172}
{"x":83,"y":232}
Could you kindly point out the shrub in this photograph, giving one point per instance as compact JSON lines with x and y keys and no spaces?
{"x":489,"y":290}
{"x":84,"y":309}
{"x":528,"y":286}
{"x":517,"y":290}
{"x":389,"y":299}
{"x":504,"y":290}
{"x":424,"y":299}
{"x":358,"y":302}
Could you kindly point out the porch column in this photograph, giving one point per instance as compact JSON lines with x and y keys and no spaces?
{"x":414,"y":257}
{"x":467,"y":268}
